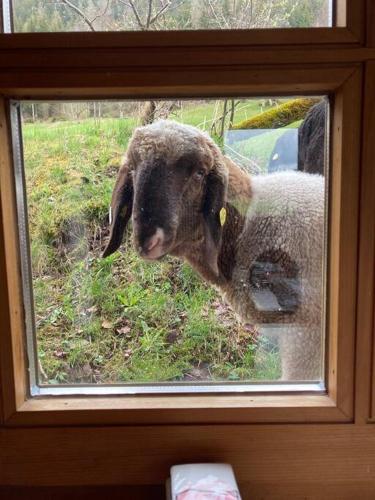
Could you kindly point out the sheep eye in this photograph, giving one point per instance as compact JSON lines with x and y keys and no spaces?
{"x":199,"y":174}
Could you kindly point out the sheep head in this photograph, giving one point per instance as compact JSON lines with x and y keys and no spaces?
{"x":173,"y":185}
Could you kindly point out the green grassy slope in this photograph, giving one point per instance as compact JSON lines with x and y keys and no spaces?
{"x":118,"y":319}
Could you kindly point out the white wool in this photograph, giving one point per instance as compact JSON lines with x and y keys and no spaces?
{"x":283,"y":192}
{"x":286,"y":213}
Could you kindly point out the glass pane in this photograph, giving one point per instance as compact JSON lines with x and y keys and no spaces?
{"x":213,"y":248}
{"x":143,"y":15}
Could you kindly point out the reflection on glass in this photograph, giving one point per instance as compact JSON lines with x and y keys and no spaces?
{"x":213,"y":257}
{"x":147,"y":15}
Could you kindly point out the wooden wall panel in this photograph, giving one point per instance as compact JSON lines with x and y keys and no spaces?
{"x":83,"y":493}
{"x":365,"y":313}
{"x":370,"y":18}
{"x":249,"y":491}
{"x":263,"y":454}
{"x":341,"y":490}
{"x":367,"y":297}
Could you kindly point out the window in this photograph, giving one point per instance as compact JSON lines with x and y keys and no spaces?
{"x":121,"y":320}
{"x":144,"y":15}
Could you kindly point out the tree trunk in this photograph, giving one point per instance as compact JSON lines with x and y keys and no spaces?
{"x":223,"y":118}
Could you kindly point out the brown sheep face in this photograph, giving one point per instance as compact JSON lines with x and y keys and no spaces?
{"x":167,"y":203}
{"x":173,"y":187}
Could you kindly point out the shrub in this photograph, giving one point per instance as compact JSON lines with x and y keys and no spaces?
{"x":280,"y":116}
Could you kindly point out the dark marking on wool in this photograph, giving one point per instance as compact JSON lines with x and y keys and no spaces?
{"x":275,"y":276}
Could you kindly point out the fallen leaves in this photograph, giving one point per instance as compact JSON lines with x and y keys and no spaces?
{"x":124,"y":330}
{"x":60,"y":354}
{"x":107,"y":324}
{"x":127,"y":353}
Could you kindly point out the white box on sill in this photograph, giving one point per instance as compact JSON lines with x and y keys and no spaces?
{"x":203,"y":482}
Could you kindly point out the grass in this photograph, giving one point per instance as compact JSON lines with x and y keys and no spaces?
{"x":119,"y":319}
{"x":258,"y":148}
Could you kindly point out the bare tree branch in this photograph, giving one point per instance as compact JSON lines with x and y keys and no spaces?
{"x":124,"y":3}
{"x":103,"y":13}
{"x":221,"y":119}
{"x":214,"y":13}
{"x":80,"y":13}
{"x":251,"y":12}
{"x":232,"y":110}
{"x":176,"y":5}
{"x":222,"y":128}
{"x":222,"y":24}
{"x":135,"y":11}
{"x":160,"y":12}
{"x":151,"y":19}
{"x":149,"y":13}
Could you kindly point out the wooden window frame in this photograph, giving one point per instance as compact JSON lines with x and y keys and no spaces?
{"x":348,"y":18}
{"x":344,"y":84}
{"x":140,"y":437}
{"x":368,"y":231}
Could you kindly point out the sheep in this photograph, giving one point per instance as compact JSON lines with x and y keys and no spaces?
{"x":311,"y":140}
{"x":258,"y":240}
{"x":302,"y":149}
{"x":285,"y":152}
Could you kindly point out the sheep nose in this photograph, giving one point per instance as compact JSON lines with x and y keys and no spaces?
{"x":152,"y":242}
{"x":153,"y":246}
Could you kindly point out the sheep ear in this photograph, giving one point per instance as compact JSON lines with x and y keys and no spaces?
{"x":120,"y":210}
{"x":214,"y":202}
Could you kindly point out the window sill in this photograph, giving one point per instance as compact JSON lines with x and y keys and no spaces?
{"x":177,"y":409}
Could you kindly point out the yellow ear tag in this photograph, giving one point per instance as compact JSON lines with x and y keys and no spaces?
{"x":223,"y":216}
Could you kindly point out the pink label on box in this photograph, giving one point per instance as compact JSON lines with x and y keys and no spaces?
{"x":209,"y":488}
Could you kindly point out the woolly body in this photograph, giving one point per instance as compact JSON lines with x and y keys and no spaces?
{"x":285,"y":224}
{"x":175,"y":182}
